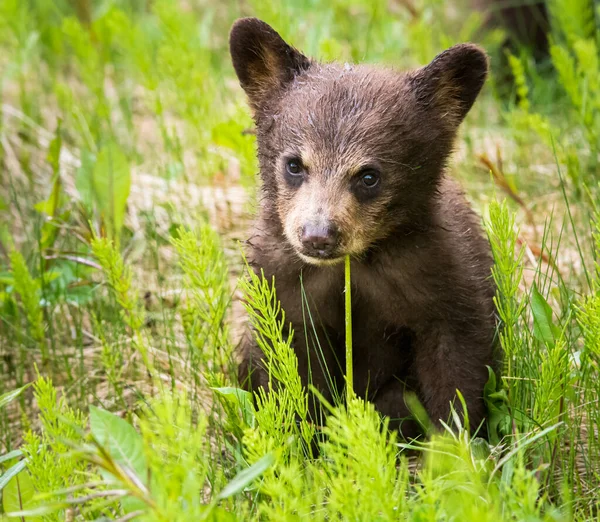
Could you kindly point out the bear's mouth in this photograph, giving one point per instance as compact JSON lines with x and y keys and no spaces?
{"x":321,"y":258}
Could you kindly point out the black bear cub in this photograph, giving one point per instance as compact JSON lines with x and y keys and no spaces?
{"x":352,"y":162}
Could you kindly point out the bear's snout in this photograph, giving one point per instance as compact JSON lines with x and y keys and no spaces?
{"x":320,"y":239}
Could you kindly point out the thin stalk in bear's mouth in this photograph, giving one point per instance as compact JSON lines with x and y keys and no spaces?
{"x":348,"y":319}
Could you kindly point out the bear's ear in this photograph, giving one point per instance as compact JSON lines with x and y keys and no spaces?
{"x":452,"y":81}
{"x":263,"y":62}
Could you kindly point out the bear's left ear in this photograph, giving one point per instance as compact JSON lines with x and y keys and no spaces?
{"x":452,"y":81}
{"x":263,"y":61}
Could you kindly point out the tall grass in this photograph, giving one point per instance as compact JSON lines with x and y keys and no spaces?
{"x":123,"y":143}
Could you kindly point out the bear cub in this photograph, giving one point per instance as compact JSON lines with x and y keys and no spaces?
{"x":352,"y":162}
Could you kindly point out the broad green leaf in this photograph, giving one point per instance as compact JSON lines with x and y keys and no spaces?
{"x":120,"y":439}
{"x":239,"y":398}
{"x":544,"y":329}
{"x":12,"y":395}
{"x":111,"y":182}
{"x":18,"y":496}
{"x":84,"y":179}
{"x":245,"y":477}
{"x":10,"y":455}
{"x":11,"y":473}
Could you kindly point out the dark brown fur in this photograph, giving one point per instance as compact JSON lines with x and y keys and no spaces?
{"x":423,"y":317}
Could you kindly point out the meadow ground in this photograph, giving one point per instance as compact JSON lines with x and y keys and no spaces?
{"x":127,"y":181}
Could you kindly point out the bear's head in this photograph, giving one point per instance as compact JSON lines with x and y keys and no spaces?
{"x":350,"y":153}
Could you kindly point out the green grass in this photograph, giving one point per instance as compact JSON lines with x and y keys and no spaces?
{"x":127,"y":178}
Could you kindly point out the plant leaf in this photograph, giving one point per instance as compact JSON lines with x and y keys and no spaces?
{"x":246,"y":476}
{"x":111,"y":182}
{"x":18,"y":492}
{"x":10,"y":455}
{"x":84,"y":179}
{"x":239,"y":398}
{"x":498,"y":409}
{"x":18,"y":496}
{"x":12,"y":472}
{"x":480,"y":448}
{"x":120,"y":439}
{"x":544,"y":329}
{"x":12,"y":395}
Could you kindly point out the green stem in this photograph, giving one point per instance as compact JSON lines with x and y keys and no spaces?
{"x":349,"y":378}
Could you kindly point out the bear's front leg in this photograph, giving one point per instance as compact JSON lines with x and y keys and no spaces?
{"x":446,"y":361}
{"x":390,"y":401}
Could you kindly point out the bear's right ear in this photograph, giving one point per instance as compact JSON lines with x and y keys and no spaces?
{"x":263,"y":62}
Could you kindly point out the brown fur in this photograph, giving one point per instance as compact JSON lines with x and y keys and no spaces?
{"x":423,"y":317}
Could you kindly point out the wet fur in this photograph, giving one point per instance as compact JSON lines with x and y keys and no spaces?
{"x":423,"y":316}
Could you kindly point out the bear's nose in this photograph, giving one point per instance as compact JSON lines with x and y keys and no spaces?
{"x":319,"y":240}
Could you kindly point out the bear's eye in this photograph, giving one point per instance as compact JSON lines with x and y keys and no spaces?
{"x":366,"y":184}
{"x":369,"y":178}
{"x":294,"y":167}
{"x":294,"y":172}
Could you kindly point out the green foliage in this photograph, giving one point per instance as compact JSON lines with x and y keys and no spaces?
{"x":176,"y":446}
{"x":574,"y":55}
{"x":18,"y":494}
{"x":367,"y":482}
{"x":6,"y":479}
{"x":60,"y":423}
{"x":160,"y":472}
{"x":47,"y":465}
{"x":206,"y":277}
{"x":239,"y":409}
{"x":589,"y":322}
{"x":29,"y":291}
{"x":118,"y":276}
{"x":573,"y":20}
{"x":120,"y":439}
{"x":104,"y":184}
{"x":288,"y":397}
{"x":507,"y":273}
{"x":579,"y":73}
{"x":522,"y":89}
